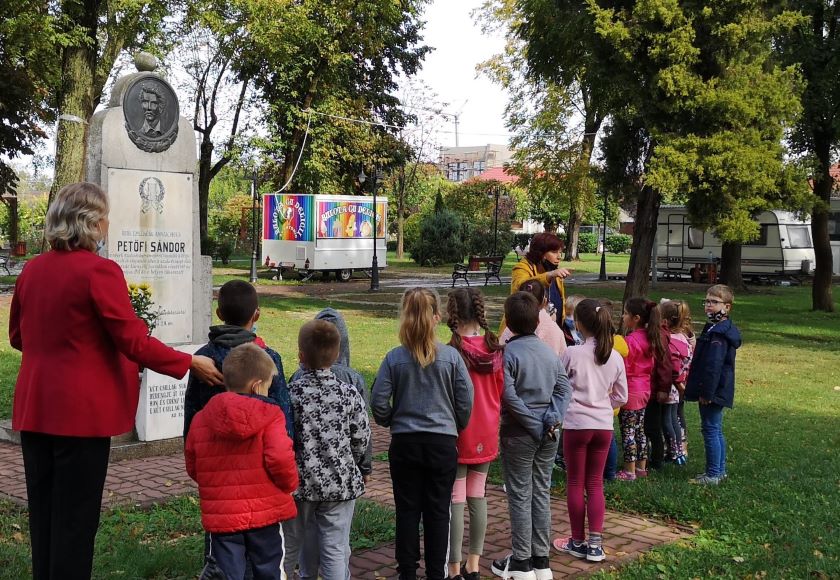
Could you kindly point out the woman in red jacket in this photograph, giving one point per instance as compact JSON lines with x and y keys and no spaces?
{"x":77,"y":385}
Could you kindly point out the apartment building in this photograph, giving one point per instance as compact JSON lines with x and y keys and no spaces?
{"x":462,"y":163}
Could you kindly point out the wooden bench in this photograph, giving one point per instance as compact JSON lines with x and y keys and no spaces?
{"x":491,"y":269}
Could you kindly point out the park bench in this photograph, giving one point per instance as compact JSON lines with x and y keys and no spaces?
{"x":7,"y":260}
{"x":492,"y":266}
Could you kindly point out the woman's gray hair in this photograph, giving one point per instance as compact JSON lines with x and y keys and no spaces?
{"x":73,"y":216}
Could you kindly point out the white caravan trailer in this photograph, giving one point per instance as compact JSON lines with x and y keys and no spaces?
{"x":323,"y":233}
{"x":783,"y":247}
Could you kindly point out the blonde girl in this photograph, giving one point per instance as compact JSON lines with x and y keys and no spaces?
{"x":423,"y":392}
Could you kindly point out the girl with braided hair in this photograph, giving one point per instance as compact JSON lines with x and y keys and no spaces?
{"x":478,"y":444}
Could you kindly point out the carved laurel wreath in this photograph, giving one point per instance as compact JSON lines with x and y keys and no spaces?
{"x":151,"y":201}
{"x":156,"y":145}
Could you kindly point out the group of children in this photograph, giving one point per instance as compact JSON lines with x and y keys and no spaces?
{"x":451,"y":409}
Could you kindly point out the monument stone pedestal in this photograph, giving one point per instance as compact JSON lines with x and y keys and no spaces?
{"x":143,"y":153}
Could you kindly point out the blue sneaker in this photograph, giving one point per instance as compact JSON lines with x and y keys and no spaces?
{"x":595,"y":553}
{"x":569,"y":546}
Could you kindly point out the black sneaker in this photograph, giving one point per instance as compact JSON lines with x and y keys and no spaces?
{"x":469,"y":575}
{"x":507,"y":567}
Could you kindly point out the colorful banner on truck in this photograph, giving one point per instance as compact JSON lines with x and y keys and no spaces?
{"x":288,"y":217}
{"x":349,"y":219}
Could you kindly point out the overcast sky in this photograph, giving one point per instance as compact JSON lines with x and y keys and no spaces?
{"x":449,"y":70}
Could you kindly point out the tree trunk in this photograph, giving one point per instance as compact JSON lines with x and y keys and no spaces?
{"x":401,"y":214}
{"x":821,"y":294}
{"x":573,"y":232}
{"x":205,"y":164}
{"x":644,"y":235}
{"x":75,"y":101}
{"x":730,"y":266}
{"x":591,"y":126}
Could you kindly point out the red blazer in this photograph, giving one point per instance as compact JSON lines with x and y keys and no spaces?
{"x":240,"y":455}
{"x":82,"y":343}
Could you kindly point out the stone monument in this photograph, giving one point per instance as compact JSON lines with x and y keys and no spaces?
{"x":143,"y":153}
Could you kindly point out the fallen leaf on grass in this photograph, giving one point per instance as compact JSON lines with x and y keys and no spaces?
{"x":818,"y":554}
{"x":738,"y":559}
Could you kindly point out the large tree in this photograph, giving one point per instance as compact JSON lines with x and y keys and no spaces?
{"x":96,"y":32}
{"x":814,"y":47}
{"x":701,"y":82}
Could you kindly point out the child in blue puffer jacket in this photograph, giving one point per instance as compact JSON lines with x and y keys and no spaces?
{"x":711,"y":380}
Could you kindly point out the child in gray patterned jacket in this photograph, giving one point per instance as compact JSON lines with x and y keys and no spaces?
{"x":332,"y":435}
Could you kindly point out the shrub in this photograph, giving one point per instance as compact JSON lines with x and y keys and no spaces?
{"x":479,"y":240}
{"x":440,"y":240}
{"x":391,"y":245}
{"x":619,"y":243}
{"x":588,"y":243}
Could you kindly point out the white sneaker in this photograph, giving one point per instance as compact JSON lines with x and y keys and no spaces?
{"x":502,"y":569}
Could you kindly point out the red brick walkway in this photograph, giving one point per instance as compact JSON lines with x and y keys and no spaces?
{"x":144,"y":481}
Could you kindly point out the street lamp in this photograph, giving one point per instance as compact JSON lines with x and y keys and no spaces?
{"x":374,"y":268}
{"x":603,"y":275}
{"x":255,"y":207}
{"x":497,"y":191}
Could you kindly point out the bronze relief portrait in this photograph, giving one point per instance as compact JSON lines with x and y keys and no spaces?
{"x":151,"y":114}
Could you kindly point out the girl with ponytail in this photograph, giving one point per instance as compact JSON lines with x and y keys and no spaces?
{"x":423,"y":392}
{"x":599,"y":385}
{"x":478,"y":444}
{"x":641,"y":319}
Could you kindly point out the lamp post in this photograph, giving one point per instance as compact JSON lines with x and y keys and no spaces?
{"x":496,"y":218}
{"x":255,"y":206}
{"x":603,"y":274}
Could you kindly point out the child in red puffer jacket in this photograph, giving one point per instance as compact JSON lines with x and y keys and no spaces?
{"x":240,"y":455}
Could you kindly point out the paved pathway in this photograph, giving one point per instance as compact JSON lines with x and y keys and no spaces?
{"x":145,"y":481}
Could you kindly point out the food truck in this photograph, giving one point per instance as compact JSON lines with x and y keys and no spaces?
{"x":311,"y":233}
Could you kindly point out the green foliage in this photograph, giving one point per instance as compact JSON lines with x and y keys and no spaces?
{"x":226,"y":223}
{"x":441,"y":239}
{"x":338,"y":58}
{"x":703,"y":84}
{"x":475,"y":203}
{"x":588,"y":243}
{"x":411,"y":230}
{"x":619,"y":243}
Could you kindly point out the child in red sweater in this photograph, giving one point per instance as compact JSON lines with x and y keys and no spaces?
{"x":240,"y":455}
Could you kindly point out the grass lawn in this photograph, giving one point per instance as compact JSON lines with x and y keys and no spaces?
{"x":776,"y":517}
{"x":165,"y":541}
{"x":240,"y":267}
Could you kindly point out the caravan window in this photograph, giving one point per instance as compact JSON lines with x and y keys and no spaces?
{"x":799,"y":236}
{"x":761,"y":240}
{"x":834,"y":226}
{"x":695,"y":238}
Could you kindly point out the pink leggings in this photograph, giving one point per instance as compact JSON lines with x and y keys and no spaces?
{"x":585,"y":451}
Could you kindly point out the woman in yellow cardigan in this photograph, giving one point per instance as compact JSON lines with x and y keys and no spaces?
{"x":540,"y":263}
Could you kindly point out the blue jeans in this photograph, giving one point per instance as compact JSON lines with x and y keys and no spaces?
{"x":612,"y":461}
{"x":711,"y":425}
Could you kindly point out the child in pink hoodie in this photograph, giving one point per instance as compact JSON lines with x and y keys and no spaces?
{"x":641,"y":319}
{"x":599,"y":384}
{"x":478,"y":443}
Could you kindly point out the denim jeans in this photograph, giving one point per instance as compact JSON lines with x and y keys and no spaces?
{"x":611,"y":466}
{"x":711,"y":425}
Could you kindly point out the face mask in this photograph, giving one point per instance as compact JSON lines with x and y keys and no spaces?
{"x":100,"y":245}
{"x":254,"y":329}
{"x":548,"y":266}
{"x":715,"y":317}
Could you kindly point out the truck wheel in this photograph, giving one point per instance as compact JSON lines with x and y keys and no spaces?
{"x":344,"y":275}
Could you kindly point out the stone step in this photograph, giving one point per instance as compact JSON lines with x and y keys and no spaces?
{"x":125,"y":446}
